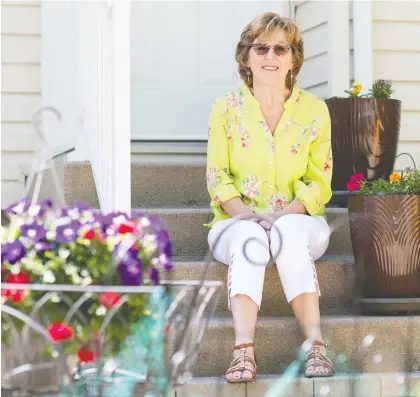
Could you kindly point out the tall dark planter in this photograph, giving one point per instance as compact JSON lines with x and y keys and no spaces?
{"x":385,"y":234}
{"x":364,"y":134}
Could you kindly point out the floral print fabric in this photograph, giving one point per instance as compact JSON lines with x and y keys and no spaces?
{"x":268,"y":170}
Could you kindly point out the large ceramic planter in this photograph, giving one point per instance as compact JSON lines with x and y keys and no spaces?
{"x":385,"y":235}
{"x":364,"y":134}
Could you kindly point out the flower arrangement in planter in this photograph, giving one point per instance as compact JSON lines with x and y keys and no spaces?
{"x":385,"y":233}
{"x":364,"y":132}
{"x":88,"y":306}
{"x":81,"y":247}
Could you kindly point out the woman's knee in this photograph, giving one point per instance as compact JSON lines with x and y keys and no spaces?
{"x":287,"y":230}
{"x":250,"y":242}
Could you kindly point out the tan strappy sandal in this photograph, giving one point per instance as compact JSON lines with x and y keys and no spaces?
{"x":240,"y":364}
{"x":318,"y":364}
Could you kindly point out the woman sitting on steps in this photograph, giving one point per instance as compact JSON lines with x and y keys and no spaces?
{"x":269,"y":152}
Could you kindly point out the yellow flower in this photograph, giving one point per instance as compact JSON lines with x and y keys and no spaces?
{"x":395,"y":177}
{"x":357,"y":88}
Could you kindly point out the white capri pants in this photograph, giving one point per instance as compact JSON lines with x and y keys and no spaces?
{"x":246,"y":248}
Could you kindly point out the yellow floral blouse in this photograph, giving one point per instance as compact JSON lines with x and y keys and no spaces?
{"x":267,"y":171}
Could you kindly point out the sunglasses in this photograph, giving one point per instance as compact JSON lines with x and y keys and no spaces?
{"x":279,"y":49}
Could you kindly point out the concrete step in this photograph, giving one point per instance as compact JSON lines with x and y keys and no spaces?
{"x":189,"y":236}
{"x":155,"y":182}
{"x":365,"y":344}
{"x":358,"y":385}
{"x":335,"y":276}
{"x":164,"y":184}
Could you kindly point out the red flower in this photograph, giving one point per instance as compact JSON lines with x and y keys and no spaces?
{"x":15,"y":296}
{"x":126,"y":228}
{"x":21,"y":278}
{"x":355,"y":182}
{"x":89,"y":235}
{"x":85,"y":355}
{"x":59,"y":332}
{"x":109,"y":299}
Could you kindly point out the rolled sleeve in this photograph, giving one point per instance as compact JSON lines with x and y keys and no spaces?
{"x":220,"y":183}
{"x":314,"y":189}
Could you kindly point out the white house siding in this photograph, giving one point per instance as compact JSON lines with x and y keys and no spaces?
{"x":316,"y":19}
{"x":396,"y":56}
{"x":20,"y":91}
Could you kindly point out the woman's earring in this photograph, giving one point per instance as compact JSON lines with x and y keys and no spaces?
{"x":248,"y":75}
{"x":291,"y":78}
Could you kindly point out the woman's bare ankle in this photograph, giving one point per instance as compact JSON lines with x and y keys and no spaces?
{"x":249,"y":351}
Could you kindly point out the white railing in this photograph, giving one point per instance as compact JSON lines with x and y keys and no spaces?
{"x":103,"y":36}
{"x":86,"y":77}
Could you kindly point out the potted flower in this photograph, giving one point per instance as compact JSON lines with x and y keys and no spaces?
{"x":385,"y":234}
{"x":364,"y":133}
{"x":82,"y":294}
{"x":74,"y":272}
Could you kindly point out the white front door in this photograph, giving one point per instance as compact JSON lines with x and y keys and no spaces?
{"x":182,"y":58}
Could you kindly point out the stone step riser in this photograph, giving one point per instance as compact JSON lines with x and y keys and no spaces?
{"x":335,"y":277}
{"x":396,"y":347}
{"x":369,"y":385}
{"x":185,"y":226}
{"x":152,"y":185}
{"x":189,"y":236}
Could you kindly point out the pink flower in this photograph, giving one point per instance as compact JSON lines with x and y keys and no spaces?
{"x":234,"y":100}
{"x":357,"y":178}
{"x":216,"y":198}
{"x":15,"y":296}
{"x":244,"y":140}
{"x":212,"y":178}
{"x":109,"y":299}
{"x":355,"y":182}
{"x":293,"y":150}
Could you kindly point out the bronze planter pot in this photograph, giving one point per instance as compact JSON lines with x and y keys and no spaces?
{"x":385,"y":235}
{"x":364,"y":135}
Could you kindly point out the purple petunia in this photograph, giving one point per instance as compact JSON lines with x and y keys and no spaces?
{"x":154,"y":276}
{"x":131,"y":271}
{"x":164,"y":243}
{"x":18,"y":208}
{"x":42,"y":246}
{"x":81,"y":206}
{"x":44,"y":206}
{"x":46,"y":203}
{"x":33,"y":231}
{"x":168,"y":265}
{"x":68,"y":233}
{"x":12,"y":252}
{"x":106,"y":221}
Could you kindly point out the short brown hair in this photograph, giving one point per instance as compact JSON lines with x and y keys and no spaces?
{"x":261,"y":26}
